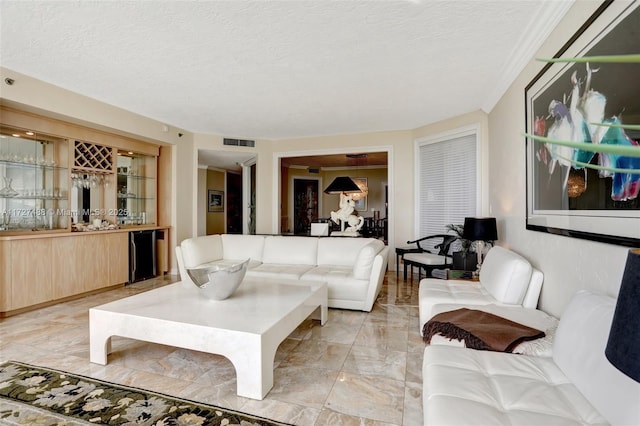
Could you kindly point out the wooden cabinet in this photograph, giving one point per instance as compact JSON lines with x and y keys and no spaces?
{"x":26,"y":273}
{"x":80,"y":264}
{"x":36,"y":271}
{"x":118,"y":249}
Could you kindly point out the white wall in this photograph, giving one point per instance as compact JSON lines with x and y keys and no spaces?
{"x":201,"y":202}
{"x":568,"y":263}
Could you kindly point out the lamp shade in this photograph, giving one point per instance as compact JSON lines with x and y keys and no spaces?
{"x":480,"y":229}
{"x":623,"y":346}
{"x":342,"y":184}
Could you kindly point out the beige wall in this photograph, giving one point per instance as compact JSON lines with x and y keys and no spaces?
{"x":568,"y":264}
{"x":201,"y":202}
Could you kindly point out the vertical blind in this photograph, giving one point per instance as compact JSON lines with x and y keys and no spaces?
{"x":447,"y":185}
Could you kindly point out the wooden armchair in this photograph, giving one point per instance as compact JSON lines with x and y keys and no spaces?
{"x":428,"y":259}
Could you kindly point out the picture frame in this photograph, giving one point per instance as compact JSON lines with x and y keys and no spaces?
{"x":215,"y":201}
{"x":583,"y":96}
{"x":361,"y":204}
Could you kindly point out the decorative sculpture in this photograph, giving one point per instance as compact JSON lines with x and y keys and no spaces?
{"x":344,"y":216}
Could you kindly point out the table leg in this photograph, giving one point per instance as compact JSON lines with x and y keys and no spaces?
{"x":254,"y":371}
{"x":99,"y":343}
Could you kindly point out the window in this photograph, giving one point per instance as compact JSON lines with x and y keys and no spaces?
{"x":446,"y":182}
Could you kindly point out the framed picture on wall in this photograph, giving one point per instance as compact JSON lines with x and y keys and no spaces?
{"x":360,"y":199}
{"x":583,"y":133}
{"x":215,"y":201}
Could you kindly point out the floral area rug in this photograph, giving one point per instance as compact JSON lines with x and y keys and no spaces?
{"x":31,"y":395}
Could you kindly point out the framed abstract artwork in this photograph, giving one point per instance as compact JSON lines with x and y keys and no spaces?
{"x":215,"y":201}
{"x":583,"y":132}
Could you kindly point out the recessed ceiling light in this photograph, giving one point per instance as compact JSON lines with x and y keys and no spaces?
{"x":130,"y":153}
{"x":29,"y":133}
{"x":15,"y":135}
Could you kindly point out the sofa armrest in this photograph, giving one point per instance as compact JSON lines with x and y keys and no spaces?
{"x":365,"y":260}
{"x":184,"y":277}
{"x":505,"y":275}
{"x":376,"y":278}
{"x":532,"y":295}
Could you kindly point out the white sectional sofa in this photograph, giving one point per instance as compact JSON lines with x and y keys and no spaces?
{"x":353,"y":268}
{"x":576,"y":386}
{"x":506,"y":278}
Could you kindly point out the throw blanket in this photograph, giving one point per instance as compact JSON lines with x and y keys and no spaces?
{"x":479,"y":330}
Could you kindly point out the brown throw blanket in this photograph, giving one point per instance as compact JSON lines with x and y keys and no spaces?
{"x":479,"y":330}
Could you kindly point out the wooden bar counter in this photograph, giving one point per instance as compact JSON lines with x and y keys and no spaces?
{"x":39,"y":269}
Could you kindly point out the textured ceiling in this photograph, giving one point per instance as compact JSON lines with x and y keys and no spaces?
{"x":280,"y":69}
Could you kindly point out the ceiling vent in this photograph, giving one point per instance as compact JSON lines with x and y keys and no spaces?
{"x":239,"y":142}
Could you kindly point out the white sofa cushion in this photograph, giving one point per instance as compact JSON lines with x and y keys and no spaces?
{"x":290,"y":250}
{"x":434,"y":291}
{"x":469,"y":387}
{"x":201,"y":250}
{"x":505,"y":275}
{"x":340,"y":282}
{"x":364,"y":261}
{"x":279,"y":270}
{"x":340,"y":250}
{"x":242,"y":247}
{"x":578,"y":350}
{"x":427,"y":258}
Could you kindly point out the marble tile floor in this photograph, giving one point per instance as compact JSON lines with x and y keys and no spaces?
{"x":359,"y":369}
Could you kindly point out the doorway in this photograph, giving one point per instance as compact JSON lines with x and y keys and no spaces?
{"x":234,"y":203}
{"x":305,"y":204}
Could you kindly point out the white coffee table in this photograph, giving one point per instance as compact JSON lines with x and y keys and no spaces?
{"x":247,"y":328}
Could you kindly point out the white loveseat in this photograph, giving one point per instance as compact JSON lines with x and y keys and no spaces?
{"x":353,"y":268}
{"x":576,"y":386}
{"x":506,"y":278}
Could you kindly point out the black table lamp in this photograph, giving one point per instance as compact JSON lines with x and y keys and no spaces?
{"x":480,"y":229}
{"x":623,"y":347}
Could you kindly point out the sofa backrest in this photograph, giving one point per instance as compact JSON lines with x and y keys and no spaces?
{"x":199,"y":250}
{"x":290,"y":250}
{"x":578,"y":349}
{"x":340,"y":251}
{"x":366,"y":258}
{"x":241,"y":247}
{"x":505,"y":275}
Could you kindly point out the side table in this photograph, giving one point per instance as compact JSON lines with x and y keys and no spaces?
{"x":455,"y":274}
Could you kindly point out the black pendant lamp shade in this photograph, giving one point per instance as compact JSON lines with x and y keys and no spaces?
{"x":342,"y":184}
{"x":623,"y":347}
